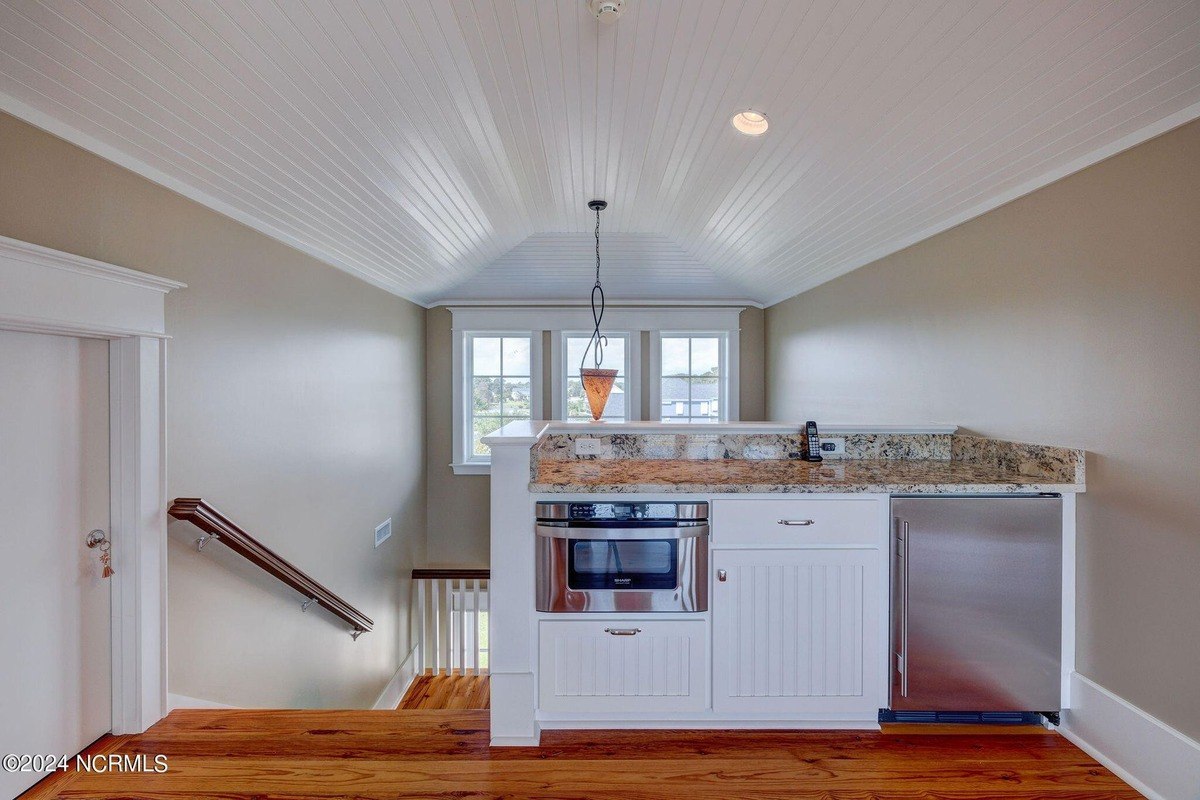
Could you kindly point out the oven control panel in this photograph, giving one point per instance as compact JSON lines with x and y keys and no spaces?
{"x":621,"y":512}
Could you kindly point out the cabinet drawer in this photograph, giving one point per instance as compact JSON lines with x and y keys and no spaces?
{"x":594,"y":666}
{"x":797,"y":522}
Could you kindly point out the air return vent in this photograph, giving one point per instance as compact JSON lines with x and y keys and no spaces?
{"x":383,"y":531}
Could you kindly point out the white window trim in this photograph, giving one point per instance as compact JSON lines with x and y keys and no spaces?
{"x":559,"y":370}
{"x":730,"y":383}
{"x":466,"y":462}
{"x":534,"y":320}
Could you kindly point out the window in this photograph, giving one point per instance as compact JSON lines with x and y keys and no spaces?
{"x":500,"y":376}
{"x":499,"y":386}
{"x":694,"y":378}
{"x":573,"y":402}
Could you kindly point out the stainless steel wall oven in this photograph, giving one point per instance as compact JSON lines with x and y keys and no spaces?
{"x":624,"y":556}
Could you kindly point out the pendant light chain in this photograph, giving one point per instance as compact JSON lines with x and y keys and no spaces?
{"x":598,"y":341}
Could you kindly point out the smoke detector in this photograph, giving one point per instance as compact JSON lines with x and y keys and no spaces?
{"x":606,"y":11}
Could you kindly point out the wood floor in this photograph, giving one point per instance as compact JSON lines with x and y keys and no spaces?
{"x":231,"y":754}
{"x":447,"y":692}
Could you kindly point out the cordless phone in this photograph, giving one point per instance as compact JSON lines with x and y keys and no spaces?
{"x":813,"y":451}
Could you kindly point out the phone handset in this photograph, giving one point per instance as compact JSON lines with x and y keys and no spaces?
{"x":812,"y":452}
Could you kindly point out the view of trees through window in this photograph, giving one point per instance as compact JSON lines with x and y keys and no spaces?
{"x":577,"y":409}
{"x":691,"y":379}
{"x":500,"y":385}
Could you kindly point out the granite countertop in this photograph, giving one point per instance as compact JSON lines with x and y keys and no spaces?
{"x":772,"y":476}
{"x":705,"y":462}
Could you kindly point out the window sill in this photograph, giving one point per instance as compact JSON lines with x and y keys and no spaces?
{"x":472,"y":468}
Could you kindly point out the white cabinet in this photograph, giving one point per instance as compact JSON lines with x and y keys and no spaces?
{"x":798,"y":632}
{"x":629,"y":665}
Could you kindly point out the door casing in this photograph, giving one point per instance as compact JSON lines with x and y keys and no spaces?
{"x":48,"y":291}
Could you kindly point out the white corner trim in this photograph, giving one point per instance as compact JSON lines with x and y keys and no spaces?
{"x":138,"y":529}
{"x":389,"y":699}
{"x":175,"y":701}
{"x":1151,"y":756}
{"x":1067,"y":656}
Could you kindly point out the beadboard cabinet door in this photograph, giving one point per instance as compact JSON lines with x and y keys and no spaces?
{"x":799,"y":632}
{"x":628,"y":665}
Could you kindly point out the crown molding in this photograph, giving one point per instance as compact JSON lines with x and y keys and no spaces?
{"x":16,"y":250}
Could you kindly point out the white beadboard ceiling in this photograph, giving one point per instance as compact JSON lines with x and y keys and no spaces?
{"x":445,"y":149}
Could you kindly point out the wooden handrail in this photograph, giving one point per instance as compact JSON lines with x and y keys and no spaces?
{"x":201,"y":514}
{"x":453,"y":573}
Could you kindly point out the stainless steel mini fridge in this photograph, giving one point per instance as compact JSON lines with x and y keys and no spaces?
{"x":976,"y":604}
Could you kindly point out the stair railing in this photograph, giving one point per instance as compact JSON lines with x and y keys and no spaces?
{"x":450,"y":620}
{"x":217,"y":527}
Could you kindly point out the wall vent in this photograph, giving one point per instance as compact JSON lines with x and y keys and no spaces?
{"x":383,"y":531}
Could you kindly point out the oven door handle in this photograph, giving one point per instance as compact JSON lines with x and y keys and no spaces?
{"x":621,"y":534}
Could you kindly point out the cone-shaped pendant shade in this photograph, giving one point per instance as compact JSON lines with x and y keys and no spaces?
{"x":597,"y":385}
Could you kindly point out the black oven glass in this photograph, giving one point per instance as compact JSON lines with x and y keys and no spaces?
{"x":622,"y":564}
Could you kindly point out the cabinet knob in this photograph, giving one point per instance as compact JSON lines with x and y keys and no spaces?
{"x":722,"y":575}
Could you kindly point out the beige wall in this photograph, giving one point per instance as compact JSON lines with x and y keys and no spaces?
{"x":459,"y":504}
{"x":1071,"y":317}
{"x":294,"y":404}
{"x":752,"y":366}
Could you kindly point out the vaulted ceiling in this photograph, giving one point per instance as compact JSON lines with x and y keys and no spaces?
{"x":446,"y":148}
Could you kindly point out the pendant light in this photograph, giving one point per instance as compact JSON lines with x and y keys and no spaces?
{"x":597,"y":383}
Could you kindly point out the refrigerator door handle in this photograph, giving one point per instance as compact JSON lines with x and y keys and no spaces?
{"x":904,"y":612}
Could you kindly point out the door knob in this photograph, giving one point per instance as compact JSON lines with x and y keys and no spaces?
{"x":722,"y":575}
{"x":96,"y":539}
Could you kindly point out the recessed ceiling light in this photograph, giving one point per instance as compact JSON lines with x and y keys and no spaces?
{"x":751,"y":123}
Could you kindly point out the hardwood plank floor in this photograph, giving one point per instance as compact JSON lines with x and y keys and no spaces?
{"x":278,"y":755}
{"x":447,"y":692}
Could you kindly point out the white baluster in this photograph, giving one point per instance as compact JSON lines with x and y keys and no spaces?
{"x":475,"y":628}
{"x":423,"y":626}
{"x":448,"y":631}
{"x":461,"y":594}
{"x":437,"y":626}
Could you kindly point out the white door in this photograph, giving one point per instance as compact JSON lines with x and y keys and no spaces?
{"x":55,"y":667}
{"x":798,"y":633}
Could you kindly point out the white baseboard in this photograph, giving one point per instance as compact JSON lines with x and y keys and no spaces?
{"x":393,"y":693}
{"x":175,"y":701}
{"x":1145,"y":752}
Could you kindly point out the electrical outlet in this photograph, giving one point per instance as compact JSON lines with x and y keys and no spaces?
{"x":833,"y":445}
{"x":587,"y":447}
{"x":383,"y":531}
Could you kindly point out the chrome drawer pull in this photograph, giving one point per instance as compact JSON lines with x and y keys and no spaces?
{"x":623,"y":631}
{"x":797,"y":522}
